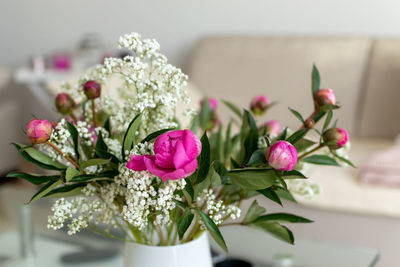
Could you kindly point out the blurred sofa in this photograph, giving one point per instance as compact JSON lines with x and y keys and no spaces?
{"x":365,"y":75}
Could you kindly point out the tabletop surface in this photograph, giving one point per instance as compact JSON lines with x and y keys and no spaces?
{"x":244,"y":243}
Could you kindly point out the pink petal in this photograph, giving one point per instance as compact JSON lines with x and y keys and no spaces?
{"x":180,"y":158}
{"x":136,"y":163}
{"x":153,"y":168}
{"x":174,"y":175}
{"x":190,"y":168}
{"x":164,"y":160}
{"x":192,"y":144}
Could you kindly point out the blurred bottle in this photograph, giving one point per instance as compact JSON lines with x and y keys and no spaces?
{"x":283,"y":260}
{"x":61,"y":61}
{"x":90,"y":51}
{"x":27,"y":249}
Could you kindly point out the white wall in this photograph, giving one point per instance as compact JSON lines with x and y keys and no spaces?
{"x":37,"y":26}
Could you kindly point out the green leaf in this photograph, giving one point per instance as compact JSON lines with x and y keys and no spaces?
{"x":348,"y":162}
{"x":184,"y":224}
{"x":75,"y":138}
{"x":215,"y":179}
{"x":38,"y":158}
{"x":271,"y":194}
{"x":319,"y":116}
{"x":251,"y":140}
{"x":36,"y":179}
{"x":228,"y":142}
{"x":44,"y":190}
{"x":219,"y":145}
{"x":66,"y":191}
{"x":222,"y":171}
{"x":205,"y":115}
{"x":195,"y":123}
{"x":327,"y":120}
{"x":107,"y":126}
{"x":233,"y":107}
{"x":293,"y":174}
{"x":213,"y":230}
{"x":297,"y":114}
{"x":297,"y":136}
{"x":154,"y":135}
{"x":234,"y":164}
{"x":71,"y":173}
{"x":94,"y":162}
{"x":258,"y":157}
{"x":315,"y":80}
{"x":107,"y":175}
{"x":204,"y":160}
{"x":303,"y":144}
{"x":253,"y":179}
{"x":130,"y":135}
{"x":253,"y":212}
{"x":283,"y":217}
{"x":200,"y":187}
{"x":181,"y":204}
{"x":284,"y":193}
{"x":282,"y":135}
{"x":321,"y":160}
{"x":101,"y":150}
{"x":275,"y":229}
{"x":188,"y":191}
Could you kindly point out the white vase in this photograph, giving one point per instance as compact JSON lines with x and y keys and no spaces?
{"x":194,"y":254}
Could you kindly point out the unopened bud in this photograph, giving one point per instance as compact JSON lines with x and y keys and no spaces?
{"x":335,"y":137}
{"x":64,"y":103}
{"x":92,"y":89}
{"x":259,"y":105}
{"x":38,"y":131}
{"x":325,"y":97}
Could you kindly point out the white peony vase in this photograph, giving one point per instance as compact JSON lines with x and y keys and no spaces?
{"x":194,"y":254}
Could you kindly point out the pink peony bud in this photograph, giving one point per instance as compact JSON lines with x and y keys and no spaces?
{"x":64,"y":103}
{"x":175,"y":156}
{"x":339,"y":137}
{"x":212,"y":102}
{"x":92,"y":89}
{"x":282,"y":156}
{"x":38,"y":131}
{"x":259,"y":105}
{"x":325,"y":97}
{"x":273,"y":127}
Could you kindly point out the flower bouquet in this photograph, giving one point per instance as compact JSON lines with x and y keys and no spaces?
{"x":125,"y":160}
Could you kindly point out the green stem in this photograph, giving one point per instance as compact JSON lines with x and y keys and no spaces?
{"x":63,"y":155}
{"x":230,"y":224}
{"x":311,"y":151}
{"x":161,"y":235}
{"x":94,"y":114}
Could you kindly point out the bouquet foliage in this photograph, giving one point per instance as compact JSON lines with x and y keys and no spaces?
{"x":125,"y":161}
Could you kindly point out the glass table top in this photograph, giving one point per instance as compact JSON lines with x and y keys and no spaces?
{"x":244,"y":243}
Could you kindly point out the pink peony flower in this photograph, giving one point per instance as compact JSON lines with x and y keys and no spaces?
{"x":64,"y":103}
{"x":339,"y":137}
{"x":38,"y":131}
{"x":324,"y":97}
{"x":175,"y":156}
{"x":92,"y":89}
{"x":259,"y":105}
{"x":212,"y":102}
{"x":282,"y":156}
{"x":273,"y":127}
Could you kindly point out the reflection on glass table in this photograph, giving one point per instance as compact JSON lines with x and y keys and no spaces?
{"x":250,"y":245}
